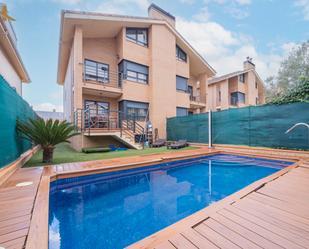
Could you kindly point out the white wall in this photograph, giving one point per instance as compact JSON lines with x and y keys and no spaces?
{"x":9,"y":73}
{"x":67,"y":92}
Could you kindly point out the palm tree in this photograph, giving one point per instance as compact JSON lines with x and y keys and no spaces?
{"x":47,"y":134}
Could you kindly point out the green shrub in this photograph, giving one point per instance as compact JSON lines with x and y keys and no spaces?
{"x":95,"y":150}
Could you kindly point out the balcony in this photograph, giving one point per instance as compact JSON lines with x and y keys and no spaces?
{"x":197,"y":101}
{"x":100,"y":81}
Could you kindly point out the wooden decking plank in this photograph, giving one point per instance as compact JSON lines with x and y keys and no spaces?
{"x":181,"y":242}
{"x":274,"y":218}
{"x":14,"y":220}
{"x":14,"y":227}
{"x":165,"y":245}
{"x":197,"y":239}
{"x":287,"y":196}
{"x":291,"y":237}
{"x":230,"y":234}
{"x":13,"y":235}
{"x":6,"y":215}
{"x":246,"y":233}
{"x":215,"y":237}
{"x":259,"y":230}
{"x":298,"y":221}
{"x":293,"y":209}
{"x":15,"y":243}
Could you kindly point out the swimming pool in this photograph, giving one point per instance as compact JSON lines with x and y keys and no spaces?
{"x":114,"y":210}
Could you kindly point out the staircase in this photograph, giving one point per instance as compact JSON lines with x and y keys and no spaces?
{"x":111,"y":123}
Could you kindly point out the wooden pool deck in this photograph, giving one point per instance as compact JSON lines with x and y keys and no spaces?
{"x":270,"y":213}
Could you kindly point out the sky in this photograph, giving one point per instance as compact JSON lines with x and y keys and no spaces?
{"x":224,"y":32}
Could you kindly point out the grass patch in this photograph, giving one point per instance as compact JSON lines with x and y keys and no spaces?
{"x":65,"y":154}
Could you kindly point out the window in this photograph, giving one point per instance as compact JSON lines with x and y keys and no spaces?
{"x":96,"y":71}
{"x":256,"y":100}
{"x":256,"y":84}
{"x":242,"y":78}
{"x":181,"y":111}
{"x":180,"y":54}
{"x":237,"y":98}
{"x":219,"y":95}
{"x":137,"y":35}
{"x":181,"y":83}
{"x":133,"y":109}
{"x":133,"y":71}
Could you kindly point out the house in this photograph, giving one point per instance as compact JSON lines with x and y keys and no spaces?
{"x":120,"y":73}
{"x":12,"y":68}
{"x":238,"y":89}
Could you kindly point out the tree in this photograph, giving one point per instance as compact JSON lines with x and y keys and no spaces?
{"x":47,"y":134}
{"x":292,"y":70}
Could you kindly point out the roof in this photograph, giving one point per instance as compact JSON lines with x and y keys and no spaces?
{"x":231,"y":75}
{"x":8,"y":43}
{"x":69,"y":19}
{"x":154,"y":6}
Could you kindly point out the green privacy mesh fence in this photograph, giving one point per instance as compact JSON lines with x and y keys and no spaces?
{"x":12,"y":107}
{"x":193,"y":128}
{"x":263,"y":126}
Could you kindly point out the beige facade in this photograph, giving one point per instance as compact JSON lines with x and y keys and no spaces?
{"x":11,"y":65}
{"x":102,"y":62}
{"x":238,"y":89}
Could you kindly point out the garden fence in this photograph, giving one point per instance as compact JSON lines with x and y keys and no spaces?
{"x":262,"y":126}
{"x":12,"y":107}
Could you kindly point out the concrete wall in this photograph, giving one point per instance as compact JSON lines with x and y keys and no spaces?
{"x":68,"y":91}
{"x":9,"y":73}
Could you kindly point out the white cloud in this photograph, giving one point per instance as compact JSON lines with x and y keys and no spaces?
{"x":203,"y":14}
{"x":48,"y":107}
{"x":288,"y":47}
{"x":304,"y":6}
{"x":226,"y":50}
{"x":187,"y":1}
{"x":238,"y":13}
{"x":240,"y":2}
{"x":122,"y":6}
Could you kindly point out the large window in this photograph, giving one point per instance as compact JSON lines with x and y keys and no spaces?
{"x":96,"y":71}
{"x":181,"y":111}
{"x":133,"y":71}
{"x":180,"y":54}
{"x":237,"y":98}
{"x":133,"y":109}
{"x":181,"y":83}
{"x":137,"y":35}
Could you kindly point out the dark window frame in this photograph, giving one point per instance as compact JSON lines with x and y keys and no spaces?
{"x":242,"y":78}
{"x":179,"y":51}
{"x":182,"y":108}
{"x":182,"y":90}
{"x":235,"y":100}
{"x":96,"y":76}
{"x":124,"y":72}
{"x":136,"y":115}
{"x":136,"y":40}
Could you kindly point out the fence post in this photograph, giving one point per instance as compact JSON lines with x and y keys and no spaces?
{"x":209,"y":130}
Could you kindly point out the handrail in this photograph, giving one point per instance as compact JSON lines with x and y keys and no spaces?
{"x":90,"y":118}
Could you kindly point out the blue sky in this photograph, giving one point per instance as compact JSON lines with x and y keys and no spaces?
{"x":225,"y":32}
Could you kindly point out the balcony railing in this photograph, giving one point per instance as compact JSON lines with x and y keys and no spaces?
{"x":94,"y":74}
{"x":200,"y":99}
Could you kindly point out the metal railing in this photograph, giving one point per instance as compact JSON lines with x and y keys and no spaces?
{"x":109,"y":78}
{"x":90,"y":120}
{"x":201,"y":99}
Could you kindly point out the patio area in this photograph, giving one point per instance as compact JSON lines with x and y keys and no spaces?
{"x":270,"y":213}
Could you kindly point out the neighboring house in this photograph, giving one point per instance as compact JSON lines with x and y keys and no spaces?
{"x":120,"y":71}
{"x":238,"y":89}
{"x":11,"y":66}
{"x":50,"y":115}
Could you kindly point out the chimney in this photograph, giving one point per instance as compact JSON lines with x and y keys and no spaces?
{"x":155,"y":12}
{"x":248,"y":64}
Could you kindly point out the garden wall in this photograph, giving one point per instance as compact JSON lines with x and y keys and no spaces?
{"x":262,"y":126}
{"x":12,"y":107}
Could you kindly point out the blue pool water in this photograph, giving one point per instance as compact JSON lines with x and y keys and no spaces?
{"x":114,"y":210}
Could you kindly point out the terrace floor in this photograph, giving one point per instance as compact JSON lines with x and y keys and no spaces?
{"x":270,"y":213}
